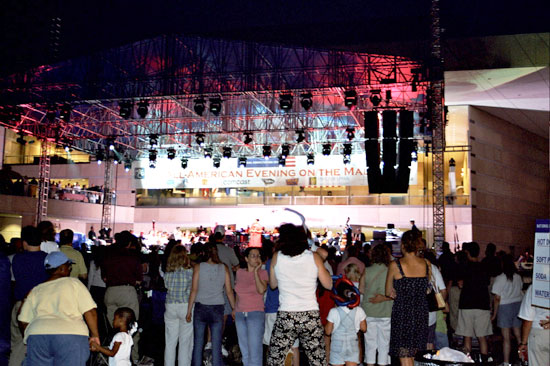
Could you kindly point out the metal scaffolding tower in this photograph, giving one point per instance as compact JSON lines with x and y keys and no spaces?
{"x":106,"y":216}
{"x":43,"y":184}
{"x":436,"y":109}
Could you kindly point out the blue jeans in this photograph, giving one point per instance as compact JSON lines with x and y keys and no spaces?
{"x":57,"y":349}
{"x":211,"y":316}
{"x":250,"y":331}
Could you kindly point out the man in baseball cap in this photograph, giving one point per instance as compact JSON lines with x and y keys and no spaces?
{"x":56,"y":259}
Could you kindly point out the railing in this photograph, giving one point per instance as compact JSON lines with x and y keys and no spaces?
{"x":65,"y":194}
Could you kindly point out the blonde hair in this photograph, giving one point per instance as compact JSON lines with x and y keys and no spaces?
{"x":352,"y":272}
{"x":177,"y":259}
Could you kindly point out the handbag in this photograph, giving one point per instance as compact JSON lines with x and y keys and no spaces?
{"x":433,"y":296}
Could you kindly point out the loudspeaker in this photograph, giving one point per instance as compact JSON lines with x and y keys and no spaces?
{"x":389,"y":122}
{"x":406,"y":147}
{"x":406,"y":124}
{"x":389,"y":156}
{"x":373,"y":164}
{"x":371,"y":125}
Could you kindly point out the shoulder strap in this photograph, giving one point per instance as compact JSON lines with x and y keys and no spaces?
{"x":400,"y":268}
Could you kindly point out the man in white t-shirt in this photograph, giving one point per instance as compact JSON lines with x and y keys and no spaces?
{"x":535,"y":332}
{"x":47,"y":233}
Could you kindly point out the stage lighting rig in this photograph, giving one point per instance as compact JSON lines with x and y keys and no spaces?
{"x":351,"y":133}
{"x":153,"y":140}
{"x":301,"y":136}
{"x":51,"y":113}
{"x":200,"y":106}
{"x":242,"y":162}
{"x":143,"y":108}
{"x":111,"y":144}
{"x":375,"y":97}
{"x":266,"y":151}
{"x":125,"y":108}
{"x":347,"y":150}
{"x":306,"y":100}
{"x":226,"y":154}
{"x":247,"y":138}
{"x":388,"y":95}
{"x":127,"y":165}
{"x":208,"y":152}
{"x":215,"y":105}
{"x":285,"y":102}
{"x":152,"y":155}
{"x":285,"y":150}
{"x":199,"y":139}
{"x":327,"y":148}
{"x":282,"y":161}
{"x":347,"y":160}
{"x":350,"y":98}
{"x":216,"y":162}
{"x":99,"y":156}
{"x":171,"y":153}
{"x":65,"y":112}
{"x":310,"y":159}
{"x":184,"y":162}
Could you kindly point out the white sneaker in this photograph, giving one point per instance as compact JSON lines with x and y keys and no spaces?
{"x":224,"y":352}
{"x":208,"y":345}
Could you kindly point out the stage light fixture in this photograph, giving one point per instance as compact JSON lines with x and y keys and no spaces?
{"x":285,"y":102}
{"x":99,"y":156}
{"x":111,"y":144}
{"x":327,"y":148}
{"x":242,"y":162}
{"x":199,"y":139}
{"x":152,"y":155}
{"x":65,"y":112}
{"x":282,"y":161}
{"x":171,"y":153}
{"x":306,"y":100}
{"x":21,"y":138}
{"x":301,"y":136}
{"x":414,"y":156}
{"x":200,"y":106}
{"x":67,"y":148}
{"x":215,"y":106}
{"x":51,"y":113}
{"x":184,"y":162}
{"x":127,"y":165}
{"x":375,"y":97}
{"x":350,"y":98}
{"x":247,"y":138}
{"x":285,"y":150}
{"x":351,"y":133}
{"x":153,"y":140}
{"x":226,"y":152}
{"x":143,"y":108}
{"x":216,"y":162}
{"x":347,"y":160}
{"x":125,"y":110}
{"x":266,"y":151}
{"x":347,"y":149}
{"x":388,"y":95}
{"x":310,"y":159}
{"x":208,"y":152}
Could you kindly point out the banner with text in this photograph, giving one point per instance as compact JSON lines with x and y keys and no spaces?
{"x":259,"y":172}
{"x":541,"y":265}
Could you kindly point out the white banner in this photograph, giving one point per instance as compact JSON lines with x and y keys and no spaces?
{"x":541,"y":265}
{"x":200,"y":173}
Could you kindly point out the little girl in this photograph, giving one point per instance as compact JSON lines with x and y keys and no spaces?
{"x":342,"y":326}
{"x":121,"y":346}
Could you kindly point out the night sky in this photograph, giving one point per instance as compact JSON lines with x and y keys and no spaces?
{"x":88,"y":26}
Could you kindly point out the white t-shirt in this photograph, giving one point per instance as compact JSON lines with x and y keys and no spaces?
{"x":49,"y":246}
{"x":532,"y":313}
{"x":334,"y":317}
{"x":297,"y":280}
{"x":122,"y":357}
{"x":438,"y":279}
{"x":509,"y":291}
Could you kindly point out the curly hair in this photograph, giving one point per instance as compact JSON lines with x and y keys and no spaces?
{"x":381,"y":254}
{"x":412,"y":241}
{"x":177,"y":259}
{"x":292,"y":240}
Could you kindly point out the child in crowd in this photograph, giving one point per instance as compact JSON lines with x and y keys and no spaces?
{"x":121,"y":346}
{"x":343,"y":325}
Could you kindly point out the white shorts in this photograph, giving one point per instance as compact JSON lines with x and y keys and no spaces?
{"x":269,"y":322}
{"x":377,"y":338}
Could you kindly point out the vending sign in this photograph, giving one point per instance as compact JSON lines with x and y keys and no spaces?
{"x":541,"y":265}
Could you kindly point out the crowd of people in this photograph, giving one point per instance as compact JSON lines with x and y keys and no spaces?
{"x":270,"y":302}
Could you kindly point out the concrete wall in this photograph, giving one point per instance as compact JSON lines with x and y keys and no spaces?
{"x":510,"y":180}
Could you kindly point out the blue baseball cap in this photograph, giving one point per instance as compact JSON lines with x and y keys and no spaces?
{"x":55,"y":259}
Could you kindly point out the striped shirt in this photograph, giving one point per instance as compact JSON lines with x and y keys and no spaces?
{"x":178,"y":284}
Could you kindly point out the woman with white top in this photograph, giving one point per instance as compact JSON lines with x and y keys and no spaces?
{"x":295,"y":270}
{"x":507,"y":290}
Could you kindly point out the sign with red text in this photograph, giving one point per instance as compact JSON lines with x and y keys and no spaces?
{"x":259,"y":172}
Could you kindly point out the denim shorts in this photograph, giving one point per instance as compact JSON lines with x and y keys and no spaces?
{"x":507,"y":316}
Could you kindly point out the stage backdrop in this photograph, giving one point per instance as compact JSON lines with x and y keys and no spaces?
{"x":259,"y":172}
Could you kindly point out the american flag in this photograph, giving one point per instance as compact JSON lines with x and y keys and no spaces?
{"x":290,"y":162}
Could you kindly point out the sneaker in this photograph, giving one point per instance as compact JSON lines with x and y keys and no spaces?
{"x":208,"y":345}
{"x":224,"y":352}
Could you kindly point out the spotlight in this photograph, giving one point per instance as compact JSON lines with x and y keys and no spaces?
{"x":67,"y":148}
{"x":152,"y":155}
{"x":285,"y":150}
{"x":282,"y":161}
{"x":143,"y":108}
{"x":99,"y":156}
{"x":347,"y":160}
{"x":347,"y":149}
{"x":171,"y":153}
{"x":351,"y":133}
{"x":388,"y":95}
{"x":310,"y":159}
{"x":51,"y":113}
{"x":200,"y":106}
{"x":153,"y":140}
{"x":226,"y":152}
{"x":285,"y":102}
{"x":125,"y":109}
{"x":247,"y":138}
{"x":301,"y":136}
{"x":199,"y":139}
{"x":242,"y":162}
{"x":375,"y":97}
{"x":216,"y":162}
{"x":306,"y":100}
{"x":266,"y":151}
{"x":350,"y":98}
{"x":111,"y":144}
{"x":184,"y":162}
{"x":327,"y":149}
{"x":152,"y":164}
{"x":21,"y":139}
{"x":414,"y":156}
{"x":215,"y":105}
{"x":127,"y":165}
{"x":207,"y":152}
{"x":65,"y":113}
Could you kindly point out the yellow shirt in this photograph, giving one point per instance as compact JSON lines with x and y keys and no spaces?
{"x":79,"y":266}
{"x":56,"y":307}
